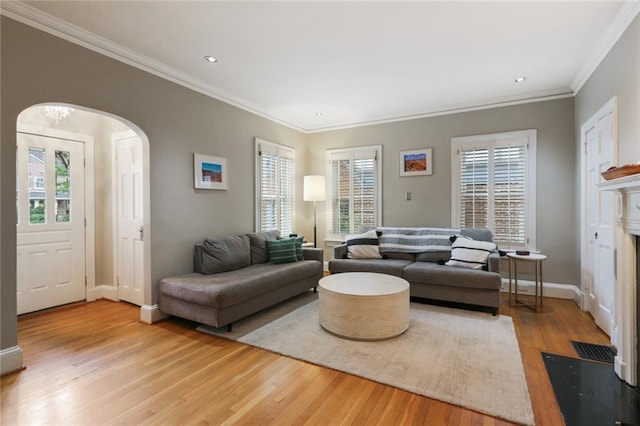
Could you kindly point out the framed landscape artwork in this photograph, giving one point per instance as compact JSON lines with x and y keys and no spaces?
{"x":417,"y":162}
{"x":210,"y":172}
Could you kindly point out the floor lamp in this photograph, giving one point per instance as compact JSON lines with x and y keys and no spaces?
{"x":314,"y":190}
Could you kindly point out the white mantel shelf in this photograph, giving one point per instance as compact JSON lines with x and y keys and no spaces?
{"x":624,"y":183}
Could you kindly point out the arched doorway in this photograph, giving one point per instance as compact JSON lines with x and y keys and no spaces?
{"x":51,"y":208}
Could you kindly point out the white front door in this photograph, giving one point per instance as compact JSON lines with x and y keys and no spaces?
{"x":129,"y":220}
{"x":50,"y":222}
{"x":601,"y":225}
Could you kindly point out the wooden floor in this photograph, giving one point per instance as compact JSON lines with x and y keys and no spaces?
{"x":95,"y":364}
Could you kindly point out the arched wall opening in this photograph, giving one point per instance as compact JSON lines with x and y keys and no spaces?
{"x":101,"y":192}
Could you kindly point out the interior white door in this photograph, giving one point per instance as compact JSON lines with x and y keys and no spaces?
{"x":50,"y":222}
{"x":601,"y":223}
{"x":130,"y":232}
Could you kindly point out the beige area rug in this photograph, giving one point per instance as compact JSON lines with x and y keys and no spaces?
{"x":465,"y":358}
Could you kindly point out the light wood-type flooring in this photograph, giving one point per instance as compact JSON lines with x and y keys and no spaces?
{"x":95,"y":363}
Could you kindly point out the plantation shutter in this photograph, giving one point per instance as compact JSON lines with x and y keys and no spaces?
{"x":493,"y":189}
{"x":474,"y":188}
{"x":352,"y":191}
{"x":275,"y":188}
{"x":509,"y":192}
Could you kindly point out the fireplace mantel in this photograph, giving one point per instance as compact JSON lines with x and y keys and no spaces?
{"x":625,"y":334}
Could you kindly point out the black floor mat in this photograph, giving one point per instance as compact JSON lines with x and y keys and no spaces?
{"x":590,"y":394}
{"x":594,"y":352}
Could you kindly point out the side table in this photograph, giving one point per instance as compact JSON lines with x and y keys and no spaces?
{"x":537,"y":258}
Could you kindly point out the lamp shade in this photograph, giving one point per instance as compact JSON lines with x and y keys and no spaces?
{"x":314,"y":189}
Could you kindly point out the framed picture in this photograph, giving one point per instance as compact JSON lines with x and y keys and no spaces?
{"x":417,"y":162}
{"x":209,"y":172}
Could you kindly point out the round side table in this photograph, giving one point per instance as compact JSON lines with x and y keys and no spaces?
{"x":537,"y":258}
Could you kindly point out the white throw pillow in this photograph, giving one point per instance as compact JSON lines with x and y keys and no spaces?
{"x":363,"y":246}
{"x":468,"y":253}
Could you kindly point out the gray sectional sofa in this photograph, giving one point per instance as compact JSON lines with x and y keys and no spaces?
{"x":234,"y":278}
{"x":428,"y":275}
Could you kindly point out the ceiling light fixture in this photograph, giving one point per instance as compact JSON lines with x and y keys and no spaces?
{"x":319,"y":114}
{"x":520,"y":79}
{"x":57,"y":113}
{"x":210,"y":59}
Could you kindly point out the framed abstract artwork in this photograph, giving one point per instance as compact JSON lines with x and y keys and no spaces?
{"x":416,"y":163}
{"x":209,"y":172}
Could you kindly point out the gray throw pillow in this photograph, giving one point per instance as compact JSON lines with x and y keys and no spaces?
{"x":258,"y":241}
{"x":225,"y":254}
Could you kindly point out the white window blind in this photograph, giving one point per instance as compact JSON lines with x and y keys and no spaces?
{"x":354,"y":188}
{"x":274,"y":187}
{"x":494,"y":186}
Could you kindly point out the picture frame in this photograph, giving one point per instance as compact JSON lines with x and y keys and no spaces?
{"x":210,"y":172}
{"x":417,"y":162}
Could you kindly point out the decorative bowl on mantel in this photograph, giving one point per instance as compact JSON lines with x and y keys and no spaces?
{"x":622,"y":171}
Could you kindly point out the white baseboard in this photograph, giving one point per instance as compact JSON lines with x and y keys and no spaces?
{"x":106,"y":291}
{"x":559,"y":291}
{"x":10,"y":360}
{"x":150,"y":314}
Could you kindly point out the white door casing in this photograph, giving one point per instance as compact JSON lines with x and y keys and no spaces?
{"x":601,"y":226}
{"x":129,"y":220}
{"x":51,"y":251}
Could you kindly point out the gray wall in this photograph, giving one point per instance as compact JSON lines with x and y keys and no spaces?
{"x":431,"y":195}
{"x":618,"y":74}
{"x":38,"y":67}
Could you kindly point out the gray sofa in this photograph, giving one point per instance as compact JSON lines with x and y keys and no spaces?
{"x":234,"y":278}
{"x":429,"y":277}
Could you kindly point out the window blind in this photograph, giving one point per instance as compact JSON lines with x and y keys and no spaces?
{"x":495,"y":188}
{"x":275,"y":189}
{"x":353,"y":189}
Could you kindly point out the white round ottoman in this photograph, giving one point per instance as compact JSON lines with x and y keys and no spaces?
{"x":364,"y":305}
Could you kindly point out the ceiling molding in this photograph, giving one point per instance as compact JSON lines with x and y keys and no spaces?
{"x":42,"y":21}
{"x":618,"y":26}
{"x":33,"y":17}
{"x":451,"y":111}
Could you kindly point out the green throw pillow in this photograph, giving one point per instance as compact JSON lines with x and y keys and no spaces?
{"x":282,"y":251}
{"x":298,"y":241}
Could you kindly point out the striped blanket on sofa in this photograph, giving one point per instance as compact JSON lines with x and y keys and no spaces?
{"x":414,"y":240}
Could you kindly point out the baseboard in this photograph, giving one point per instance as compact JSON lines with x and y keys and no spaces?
{"x":105,"y":291}
{"x":559,"y":291}
{"x":10,"y":360}
{"x":150,"y":314}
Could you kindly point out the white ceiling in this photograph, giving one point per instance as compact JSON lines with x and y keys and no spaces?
{"x":322,"y":65}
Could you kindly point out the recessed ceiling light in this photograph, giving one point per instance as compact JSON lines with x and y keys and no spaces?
{"x":210,"y":59}
{"x":520,"y":79}
{"x":319,"y":114}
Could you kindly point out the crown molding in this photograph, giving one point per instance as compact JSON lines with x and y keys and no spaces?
{"x":35,"y":18}
{"x":496,"y":103}
{"x":618,"y":26}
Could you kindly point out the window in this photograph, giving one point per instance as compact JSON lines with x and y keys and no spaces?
{"x":493,"y":184}
{"x":274,"y":187}
{"x":353,"y":194}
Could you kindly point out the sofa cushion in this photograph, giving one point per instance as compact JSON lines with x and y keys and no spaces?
{"x":468,"y":253}
{"x":282,"y":251}
{"x":435,"y":256}
{"x":478,"y":234}
{"x":382,"y":266}
{"x":434,"y":274}
{"x":228,"y":288}
{"x":363,"y":246}
{"x":258,"y":241}
{"x":225,"y":254}
{"x":298,"y":246}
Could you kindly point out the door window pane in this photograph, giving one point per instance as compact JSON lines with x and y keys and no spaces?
{"x":63,"y":185}
{"x":37,"y":186}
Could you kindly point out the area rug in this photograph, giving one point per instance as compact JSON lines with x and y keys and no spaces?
{"x":465,"y":358}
